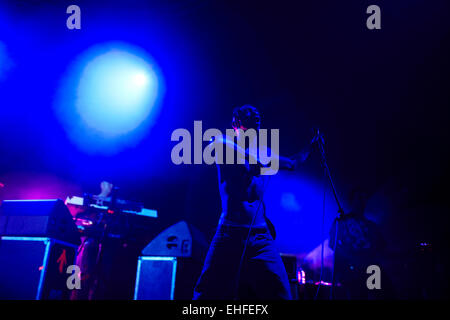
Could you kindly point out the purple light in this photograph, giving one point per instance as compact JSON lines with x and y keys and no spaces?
{"x":301,"y":276}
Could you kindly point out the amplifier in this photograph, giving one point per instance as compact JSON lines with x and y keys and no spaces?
{"x":178,"y":240}
{"x":175,"y":241}
{"x":38,"y":218}
{"x":290,"y":263}
{"x":155,"y":278}
{"x":34,"y":268}
{"x":175,"y":255}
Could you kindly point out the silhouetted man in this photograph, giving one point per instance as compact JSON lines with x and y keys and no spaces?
{"x":242,"y":262}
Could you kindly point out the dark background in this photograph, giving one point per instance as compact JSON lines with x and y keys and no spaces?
{"x":380,"y":97}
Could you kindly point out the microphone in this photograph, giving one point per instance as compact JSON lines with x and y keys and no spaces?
{"x":318,"y":136}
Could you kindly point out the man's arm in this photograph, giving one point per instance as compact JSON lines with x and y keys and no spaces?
{"x":285,"y":163}
{"x":300,"y":158}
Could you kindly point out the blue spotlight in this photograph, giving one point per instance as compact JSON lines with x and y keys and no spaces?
{"x":113,"y":95}
{"x":5,"y":61}
{"x":116,"y":93}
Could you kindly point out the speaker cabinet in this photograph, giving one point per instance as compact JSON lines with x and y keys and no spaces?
{"x":155,"y":278}
{"x":175,"y":255}
{"x":34,"y":268}
{"x":38,"y":218}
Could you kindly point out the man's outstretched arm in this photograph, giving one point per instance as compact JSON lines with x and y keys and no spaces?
{"x":302,"y":156}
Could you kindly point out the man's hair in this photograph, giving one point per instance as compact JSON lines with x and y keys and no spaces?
{"x":246,"y":116}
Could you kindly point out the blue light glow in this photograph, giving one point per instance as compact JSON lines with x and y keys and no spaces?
{"x":294,"y":204}
{"x":116,"y":93}
{"x":110,"y":98}
{"x":5,"y":61}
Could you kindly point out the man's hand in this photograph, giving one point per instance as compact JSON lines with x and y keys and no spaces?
{"x":318,"y":137}
{"x":106,"y":189}
{"x":301,"y":157}
{"x":291,"y":164}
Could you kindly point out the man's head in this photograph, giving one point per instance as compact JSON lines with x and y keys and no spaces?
{"x":246,"y":117}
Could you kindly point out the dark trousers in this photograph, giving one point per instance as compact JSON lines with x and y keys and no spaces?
{"x":97,"y":277}
{"x":262,"y":276}
{"x":86,"y":261}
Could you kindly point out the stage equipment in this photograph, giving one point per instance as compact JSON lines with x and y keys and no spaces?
{"x":155,"y":278}
{"x":38,"y":218}
{"x":111,"y":204}
{"x":320,"y":142}
{"x":175,"y":241}
{"x":290,"y":263}
{"x":34,"y":268}
{"x":108,"y":217}
{"x":174,"y":256}
{"x":111,"y":223}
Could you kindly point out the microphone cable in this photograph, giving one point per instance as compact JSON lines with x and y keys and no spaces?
{"x":238,"y":276}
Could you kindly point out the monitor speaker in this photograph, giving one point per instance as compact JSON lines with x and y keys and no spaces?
{"x":38,"y":218}
{"x":34,"y":268}
{"x":155,"y":278}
